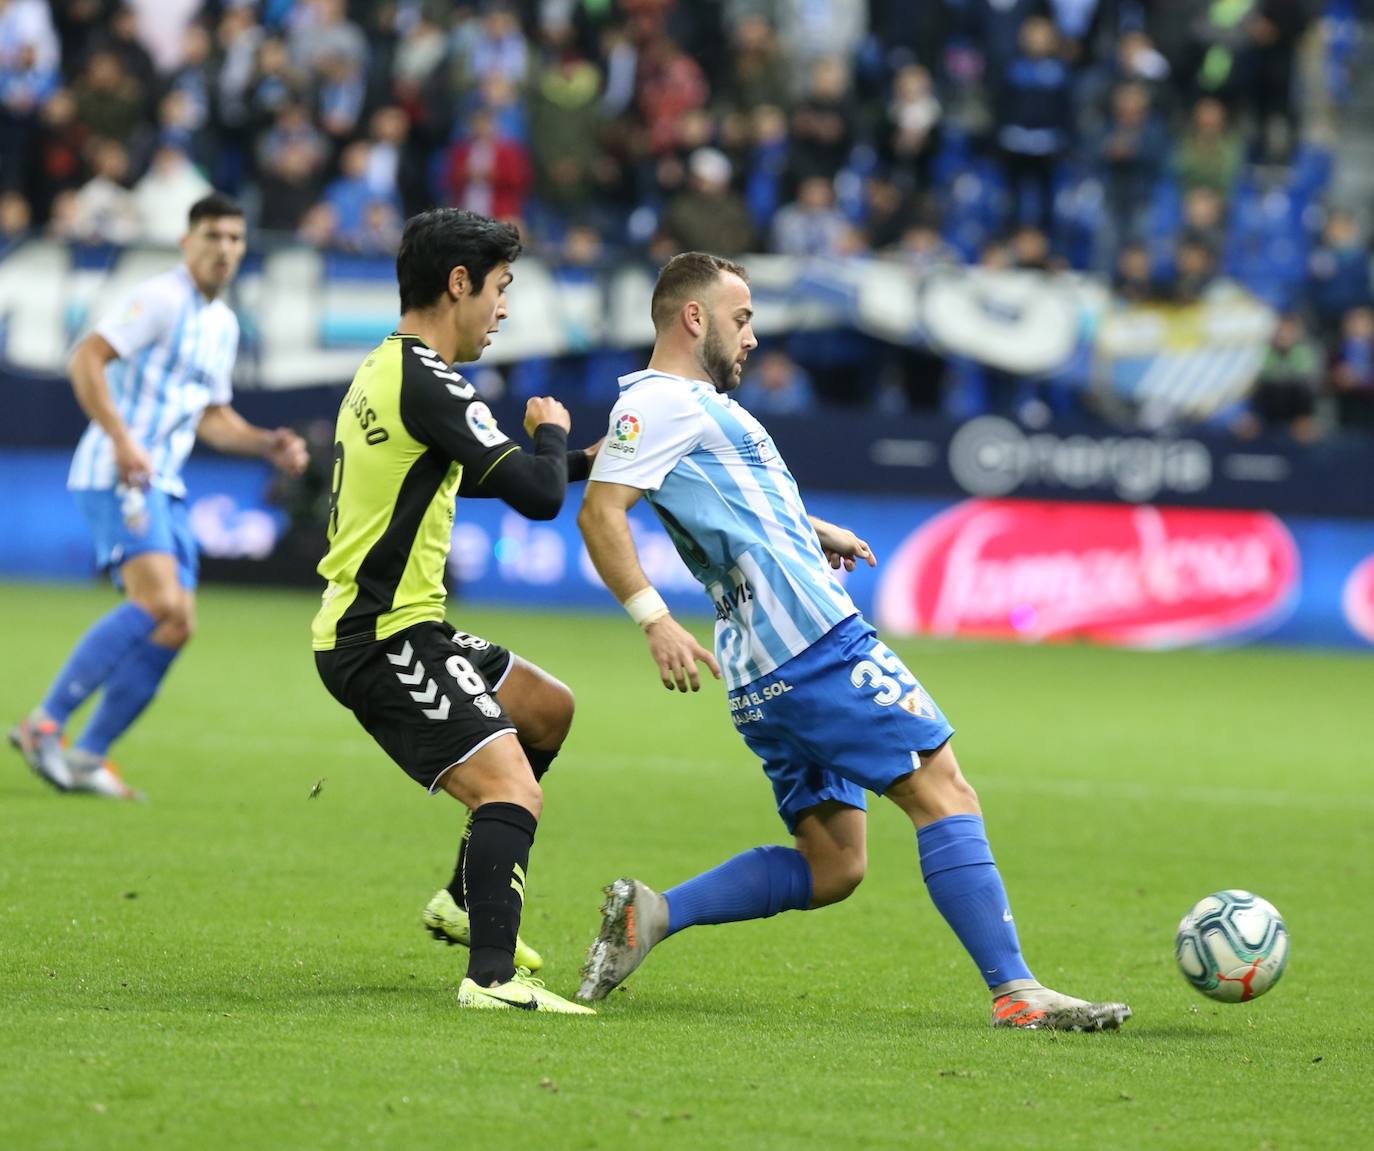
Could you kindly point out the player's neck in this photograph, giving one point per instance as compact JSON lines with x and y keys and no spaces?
{"x":674,"y":362}
{"x":210,"y":294}
{"x":435,"y":330}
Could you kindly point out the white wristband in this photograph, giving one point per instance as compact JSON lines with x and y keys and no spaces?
{"x":646,"y":606}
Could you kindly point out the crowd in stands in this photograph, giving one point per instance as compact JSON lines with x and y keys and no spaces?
{"x":1158,"y":145}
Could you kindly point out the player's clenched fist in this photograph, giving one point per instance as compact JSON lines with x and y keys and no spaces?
{"x":545,"y":410}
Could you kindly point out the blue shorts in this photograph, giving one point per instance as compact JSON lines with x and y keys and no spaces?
{"x":160,"y":525}
{"x":843,"y":717}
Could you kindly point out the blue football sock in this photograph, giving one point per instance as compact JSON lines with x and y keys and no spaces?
{"x":130,"y":689}
{"x":753,"y":885}
{"x":105,"y":643}
{"x":964,"y":885}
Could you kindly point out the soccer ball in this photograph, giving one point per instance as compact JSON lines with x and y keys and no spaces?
{"x":1232,"y":946}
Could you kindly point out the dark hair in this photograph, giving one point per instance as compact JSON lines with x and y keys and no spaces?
{"x":212,"y":207}
{"x":437,"y":241}
{"x":684,"y":276}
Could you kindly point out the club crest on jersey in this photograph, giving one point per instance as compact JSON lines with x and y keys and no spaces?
{"x":487,"y":706}
{"x":624,"y":438}
{"x":483,"y":425}
{"x":757,"y":447}
{"x":918,"y":704}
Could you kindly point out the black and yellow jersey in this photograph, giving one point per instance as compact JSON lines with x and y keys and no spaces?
{"x":412,"y":434}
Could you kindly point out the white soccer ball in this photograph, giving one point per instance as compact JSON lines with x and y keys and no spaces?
{"x":1232,"y":946}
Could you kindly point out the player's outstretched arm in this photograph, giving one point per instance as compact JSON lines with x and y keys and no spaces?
{"x":842,"y":546}
{"x":87,"y":368}
{"x":533,"y":482}
{"x":226,"y":431}
{"x":605,"y":529}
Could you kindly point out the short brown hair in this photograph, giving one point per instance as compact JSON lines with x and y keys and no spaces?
{"x":685,"y":276}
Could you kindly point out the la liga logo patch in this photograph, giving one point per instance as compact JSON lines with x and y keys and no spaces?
{"x":624,"y":436}
{"x":483,"y":425}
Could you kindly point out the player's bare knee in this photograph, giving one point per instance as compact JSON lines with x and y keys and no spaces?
{"x":835,"y":876}
{"x":163,"y":604}
{"x":558,"y":714}
{"x":175,"y":628}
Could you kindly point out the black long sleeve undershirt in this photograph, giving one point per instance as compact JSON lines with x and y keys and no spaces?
{"x":532,"y":482}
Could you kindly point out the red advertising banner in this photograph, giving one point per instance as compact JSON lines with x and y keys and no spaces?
{"x":1136,"y":576}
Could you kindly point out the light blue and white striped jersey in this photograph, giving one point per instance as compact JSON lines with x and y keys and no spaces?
{"x":176,"y":356}
{"x":731,"y":507}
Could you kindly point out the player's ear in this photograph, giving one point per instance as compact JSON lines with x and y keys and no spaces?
{"x":694,"y":317}
{"x":458,"y":283}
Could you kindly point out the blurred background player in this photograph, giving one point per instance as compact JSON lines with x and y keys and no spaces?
{"x":829,"y":708}
{"x":455,"y":711}
{"x":154,"y":375}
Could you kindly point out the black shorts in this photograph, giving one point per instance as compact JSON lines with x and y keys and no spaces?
{"x":427,"y":695}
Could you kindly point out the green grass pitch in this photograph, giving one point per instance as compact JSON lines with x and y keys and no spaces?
{"x":234,"y":964}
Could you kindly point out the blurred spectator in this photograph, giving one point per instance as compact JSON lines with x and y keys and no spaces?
{"x":291,"y":160}
{"x":1285,"y":395}
{"x":319,"y":227}
{"x":1195,"y":269}
{"x":758,"y":74}
{"x":59,"y":163}
{"x":1133,"y":281}
{"x":102,"y":210}
{"x":668,"y":84}
{"x":392,"y":166}
{"x":341,"y":93}
{"x":29,"y":22}
{"x":419,"y":54}
{"x":276,"y":84}
{"x":769,"y":159}
{"x":419,"y":86}
{"x":349,"y":193}
{"x":1275,"y":30}
{"x":812,"y":31}
{"x":565,"y":128}
{"x":1204,"y":217}
{"x":379,"y":233}
{"x":16,"y":218}
{"x":811,"y":225}
{"x":493,"y":46}
{"x":708,"y":216}
{"x":823,"y":122}
{"x":1035,"y":114}
{"x":910,"y":134}
{"x":194,"y":81}
{"x":109,"y":102}
{"x":776,"y":385}
{"x":238,"y":40}
{"x":922,"y":247}
{"x":1353,"y":372}
{"x":1338,"y":272}
{"x":1209,"y":154}
{"x":488,"y":174}
{"x":889,"y":213}
{"x":1139,"y":61}
{"x":506,"y":103}
{"x":25,"y":83}
{"x":161,"y":26}
{"x":164,"y":195}
{"x":1132,"y":151}
{"x":1030,"y":249}
{"x":321,"y":30}
{"x":995,"y":27}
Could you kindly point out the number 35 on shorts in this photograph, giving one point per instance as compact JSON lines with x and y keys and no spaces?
{"x":885,"y":676}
